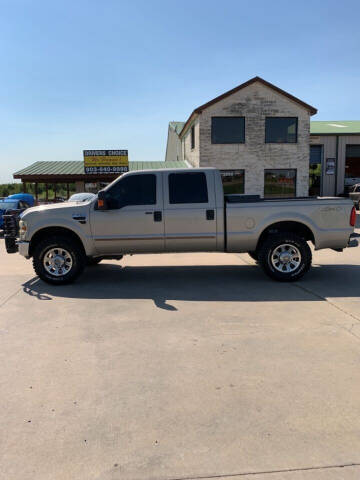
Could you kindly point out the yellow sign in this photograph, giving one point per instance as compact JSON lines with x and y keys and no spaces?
{"x":106,"y":161}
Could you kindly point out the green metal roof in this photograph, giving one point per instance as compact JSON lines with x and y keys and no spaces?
{"x":177,"y":126}
{"x":77,"y":167}
{"x":335,"y":127}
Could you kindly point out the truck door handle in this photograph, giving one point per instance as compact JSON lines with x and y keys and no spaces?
{"x":157,"y":216}
{"x":210,"y":214}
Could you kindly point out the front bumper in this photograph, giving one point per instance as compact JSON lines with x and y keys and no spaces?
{"x":23,"y":248}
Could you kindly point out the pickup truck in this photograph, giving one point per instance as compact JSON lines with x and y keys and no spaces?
{"x":182,"y":210}
{"x":17,"y":201}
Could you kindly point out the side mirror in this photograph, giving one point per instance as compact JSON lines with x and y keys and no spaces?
{"x":101,"y":201}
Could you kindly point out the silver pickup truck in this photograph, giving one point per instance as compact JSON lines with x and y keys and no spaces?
{"x":156,"y":211}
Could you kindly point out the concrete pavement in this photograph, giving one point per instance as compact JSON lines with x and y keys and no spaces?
{"x":181,"y":367}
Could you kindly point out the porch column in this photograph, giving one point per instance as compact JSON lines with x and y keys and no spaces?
{"x":79,"y":187}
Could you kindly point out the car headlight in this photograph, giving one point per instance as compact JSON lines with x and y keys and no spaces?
{"x":22,"y":228}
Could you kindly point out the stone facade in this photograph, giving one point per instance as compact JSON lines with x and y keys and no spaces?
{"x":255,"y":102}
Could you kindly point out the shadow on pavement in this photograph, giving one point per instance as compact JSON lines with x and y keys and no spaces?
{"x":200,"y":283}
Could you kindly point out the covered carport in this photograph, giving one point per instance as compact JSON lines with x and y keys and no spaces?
{"x":52,"y":174}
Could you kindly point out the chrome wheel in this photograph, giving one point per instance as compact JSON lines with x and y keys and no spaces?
{"x":286,"y":258}
{"x":57,"y":261}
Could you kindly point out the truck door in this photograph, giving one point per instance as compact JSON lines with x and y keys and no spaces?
{"x":189,"y":211}
{"x":133,"y":221}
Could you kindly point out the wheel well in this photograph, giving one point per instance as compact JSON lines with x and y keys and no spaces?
{"x":50,"y":231}
{"x":295,"y":227}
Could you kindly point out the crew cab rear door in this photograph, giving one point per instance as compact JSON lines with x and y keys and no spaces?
{"x":189,"y":211}
{"x":134,"y":219}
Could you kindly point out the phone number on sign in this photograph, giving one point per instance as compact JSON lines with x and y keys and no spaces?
{"x":106,"y":169}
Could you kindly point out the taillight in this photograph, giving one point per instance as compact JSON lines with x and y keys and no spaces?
{"x":353,"y":217}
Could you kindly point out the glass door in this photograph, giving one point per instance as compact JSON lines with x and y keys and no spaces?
{"x":316,"y":154}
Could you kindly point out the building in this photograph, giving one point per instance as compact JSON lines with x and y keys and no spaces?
{"x":72,"y":174}
{"x":173,"y":145}
{"x":334,"y":156}
{"x":258,"y":136}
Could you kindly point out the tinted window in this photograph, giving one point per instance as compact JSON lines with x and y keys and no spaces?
{"x":233,"y":181}
{"x":227,"y":130}
{"x":281,"y":130}
{"x":280,"y":183}
{"x":188,"y":188}
{"x":133,"y":190}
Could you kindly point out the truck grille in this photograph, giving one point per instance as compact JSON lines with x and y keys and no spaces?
{"x":11,"y":230}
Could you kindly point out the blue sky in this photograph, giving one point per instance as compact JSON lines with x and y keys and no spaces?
{"x":111,"y":74}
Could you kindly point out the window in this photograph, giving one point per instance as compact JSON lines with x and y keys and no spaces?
{"x":280,"y":183}
{"x":133,"y":190}
{"x":281,"y":129}
{"x":192,"y":137}
{"x":233,"y":181}
{"x":228,"y":130}
{"x":188,"y":188}
{"x":352,"y":164}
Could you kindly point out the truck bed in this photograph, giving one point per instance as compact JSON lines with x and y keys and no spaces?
{"x":247,"y":216}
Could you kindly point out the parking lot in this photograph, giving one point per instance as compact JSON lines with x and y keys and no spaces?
{"x":181,"y":366}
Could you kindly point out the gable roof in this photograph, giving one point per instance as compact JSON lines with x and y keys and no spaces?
{"x":337,"y":127}
{"x":177,"y":126}
{"x":199,"y":110}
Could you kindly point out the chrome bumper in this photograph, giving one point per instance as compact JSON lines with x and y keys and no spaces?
{"x":23,"y":248}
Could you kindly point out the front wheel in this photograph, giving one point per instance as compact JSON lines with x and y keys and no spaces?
{"x":285,"y":257}
{"x":92,"y":261}
{"x":58,"y":260}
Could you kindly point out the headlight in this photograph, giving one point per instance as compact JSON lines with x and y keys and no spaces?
{"x":22,"y":228}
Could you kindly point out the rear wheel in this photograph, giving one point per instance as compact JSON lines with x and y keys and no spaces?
{"x":285,"y":257}
{"x":58,"y":260}
{"x":254,"y":255}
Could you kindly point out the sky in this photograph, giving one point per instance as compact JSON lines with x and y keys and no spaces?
{"x":106,"y":74}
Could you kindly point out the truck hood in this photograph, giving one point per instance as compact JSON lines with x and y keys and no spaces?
{"x":65,"y":208}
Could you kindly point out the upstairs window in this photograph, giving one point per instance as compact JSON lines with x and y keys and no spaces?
{"x":192,"y":137}
{"x":281,"y":129}
{"x":228,"y":130}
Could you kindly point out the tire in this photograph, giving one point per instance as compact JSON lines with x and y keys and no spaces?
{"x":72,"y":256}
{"x":254,"y":255}
{"x":92,"y":261}
{"x":282,"y":245}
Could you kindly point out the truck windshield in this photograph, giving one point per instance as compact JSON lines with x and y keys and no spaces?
{"x":8,"y":205}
